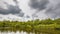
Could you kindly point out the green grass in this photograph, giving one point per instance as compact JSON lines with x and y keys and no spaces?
{"x":48,"y":26}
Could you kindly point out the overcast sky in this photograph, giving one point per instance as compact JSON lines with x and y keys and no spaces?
{"x":28,"y":9}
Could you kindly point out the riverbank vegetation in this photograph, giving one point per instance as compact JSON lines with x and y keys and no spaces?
{"x":37,"y":26}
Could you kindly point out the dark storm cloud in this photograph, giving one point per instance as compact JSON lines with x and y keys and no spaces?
{"x":54,"y":11}
{"x":11,"y":9}
{"x":52,"y":7}
{"x":38,"y":4}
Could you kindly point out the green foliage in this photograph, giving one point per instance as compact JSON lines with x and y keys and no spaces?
{"x":47,"y":25}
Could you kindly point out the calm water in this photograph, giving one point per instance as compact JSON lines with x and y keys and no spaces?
{"x":13,"y":32}
{"x":20,"y":31}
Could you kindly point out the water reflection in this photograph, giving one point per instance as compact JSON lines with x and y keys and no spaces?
{"x":9,"y":32}
{"x":17,"y":32}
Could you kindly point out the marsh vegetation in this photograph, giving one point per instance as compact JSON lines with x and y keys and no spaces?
{"x":46,"y":26}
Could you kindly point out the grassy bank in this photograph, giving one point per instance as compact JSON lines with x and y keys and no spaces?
{"x":45,"y":26}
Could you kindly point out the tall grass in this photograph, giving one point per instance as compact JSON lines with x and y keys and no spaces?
{"x":37,"y":26}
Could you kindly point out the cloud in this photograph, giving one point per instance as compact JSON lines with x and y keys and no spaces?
{"x":11,"y":9}
{"x":38,"y":4}
{"x":21,"y":14}
{"x":42,"y":8}
{"x":51,"y":7}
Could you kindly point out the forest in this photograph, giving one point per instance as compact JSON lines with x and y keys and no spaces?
{"x":47,"y":26}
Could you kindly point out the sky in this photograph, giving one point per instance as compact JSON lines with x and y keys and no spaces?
{"x":29,"y":9}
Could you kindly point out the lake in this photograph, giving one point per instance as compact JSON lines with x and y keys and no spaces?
{"x":7,"y":30}
{"x":17,"y":32}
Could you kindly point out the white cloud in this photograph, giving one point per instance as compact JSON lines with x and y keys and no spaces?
{"x":23,"y":4}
